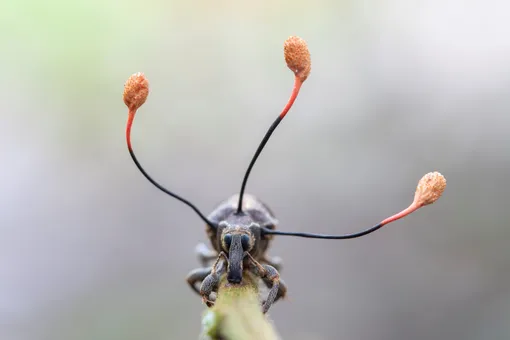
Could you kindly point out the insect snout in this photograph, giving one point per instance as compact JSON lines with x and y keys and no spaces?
{"x":236,"y":244}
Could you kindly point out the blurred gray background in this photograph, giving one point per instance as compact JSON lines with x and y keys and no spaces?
{"x":90,"y":250}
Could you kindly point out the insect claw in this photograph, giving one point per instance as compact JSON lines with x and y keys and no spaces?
{"x":208,"y":302}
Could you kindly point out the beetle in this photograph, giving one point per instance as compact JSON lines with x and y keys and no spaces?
{"x":240,"y":229}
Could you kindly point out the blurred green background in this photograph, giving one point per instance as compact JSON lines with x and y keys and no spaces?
{"x":90,"y":250}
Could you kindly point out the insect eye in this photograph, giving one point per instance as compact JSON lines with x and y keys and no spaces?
{"x":227,"y":239}
{"x":245,"y":242}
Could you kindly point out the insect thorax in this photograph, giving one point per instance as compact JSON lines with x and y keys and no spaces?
{"x":255,"y":215}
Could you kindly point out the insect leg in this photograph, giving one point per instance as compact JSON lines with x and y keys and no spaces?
{"x":272,"y":279}
{"x":274,"y":261}
{"x":205,"y":254}
{"x":197,"y":275}
{"x":282,"y":289}
{"x":210,"y":283}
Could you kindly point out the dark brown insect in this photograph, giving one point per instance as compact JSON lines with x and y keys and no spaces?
{"x":240,"y":229}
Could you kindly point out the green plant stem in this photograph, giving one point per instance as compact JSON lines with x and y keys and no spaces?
{"x":237,"y":314}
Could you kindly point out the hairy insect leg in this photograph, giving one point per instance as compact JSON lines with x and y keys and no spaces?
{"x":282,"y":289}
{"x":274,"y":261}
{"x":197,"y":275}
{"x":211,"y":281}
{"x":271,"y":277}
{"x":205,"y":255}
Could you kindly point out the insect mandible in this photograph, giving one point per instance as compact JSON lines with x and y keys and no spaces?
{"x":241,"y":228}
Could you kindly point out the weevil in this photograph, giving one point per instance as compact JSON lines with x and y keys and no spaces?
{"x":241,"y":228}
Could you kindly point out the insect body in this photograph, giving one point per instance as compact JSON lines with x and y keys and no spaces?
{"x":238,"y":245}
{"x":241,"y":228}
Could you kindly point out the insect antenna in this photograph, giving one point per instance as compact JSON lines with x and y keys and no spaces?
{"x":298,"y":60}
{"x":429,"y":189}
{"x":136,"y":91}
